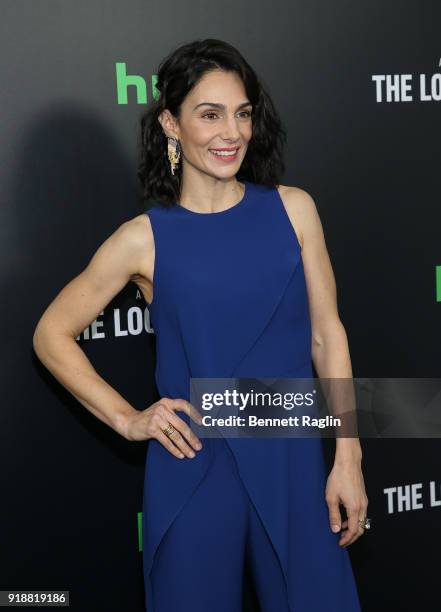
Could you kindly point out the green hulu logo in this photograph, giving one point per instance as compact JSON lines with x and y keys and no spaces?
{"x":124,"y":80}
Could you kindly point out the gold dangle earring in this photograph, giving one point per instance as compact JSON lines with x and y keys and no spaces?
{"x":174,"y":153}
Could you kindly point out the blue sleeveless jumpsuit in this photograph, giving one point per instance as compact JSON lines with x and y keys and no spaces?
{"x":230,"y":301}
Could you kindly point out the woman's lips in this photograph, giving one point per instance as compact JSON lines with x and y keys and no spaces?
{"x":223,"y":157}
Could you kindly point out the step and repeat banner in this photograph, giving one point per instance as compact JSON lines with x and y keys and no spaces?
{"x":358,"y":88}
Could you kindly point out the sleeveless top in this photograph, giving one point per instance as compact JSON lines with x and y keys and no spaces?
{"x":230,"y":300}
{"x":218,"y":280}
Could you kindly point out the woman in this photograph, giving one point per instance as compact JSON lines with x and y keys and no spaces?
{"x":236,"y":274}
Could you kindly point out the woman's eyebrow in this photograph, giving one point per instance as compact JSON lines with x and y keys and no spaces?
{"x":221,"y":106}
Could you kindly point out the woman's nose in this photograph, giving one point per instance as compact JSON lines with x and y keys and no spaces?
{"x":231,"y":130}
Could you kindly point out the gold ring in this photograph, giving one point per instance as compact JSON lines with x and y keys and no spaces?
{"x":168,"y":430}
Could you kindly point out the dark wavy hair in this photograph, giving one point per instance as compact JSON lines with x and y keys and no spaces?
{"x":178,"y":73}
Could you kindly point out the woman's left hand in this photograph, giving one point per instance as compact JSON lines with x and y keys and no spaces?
{"x":345,"y":486}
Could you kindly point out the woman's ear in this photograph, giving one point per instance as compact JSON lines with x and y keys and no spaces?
{"x":168,"y":123}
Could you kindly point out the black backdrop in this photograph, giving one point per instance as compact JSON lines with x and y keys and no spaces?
{"x":360,"y":142}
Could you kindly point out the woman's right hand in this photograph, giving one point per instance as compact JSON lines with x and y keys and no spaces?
{"x":149,"y":423}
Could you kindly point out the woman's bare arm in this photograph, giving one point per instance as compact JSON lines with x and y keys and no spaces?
{"x":118,"y":260}
{"x":330,"y":349}
{"x":330,"y":354}
{"x":128,"y":254}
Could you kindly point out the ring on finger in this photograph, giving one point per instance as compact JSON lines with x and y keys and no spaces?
{"x":168,"y":430}
{"x":365,"y":523}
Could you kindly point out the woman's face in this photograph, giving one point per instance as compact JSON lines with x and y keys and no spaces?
{"x":216,"y":114}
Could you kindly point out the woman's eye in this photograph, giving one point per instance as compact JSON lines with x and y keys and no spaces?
{"x":247,"y":114}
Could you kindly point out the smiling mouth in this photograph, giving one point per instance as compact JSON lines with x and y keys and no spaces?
{"x":224,"y":153}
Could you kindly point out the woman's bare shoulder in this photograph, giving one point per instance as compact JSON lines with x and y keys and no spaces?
{"x":139,"y":240}
{"x":296,"y":198}
{"x":300,"y":207}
